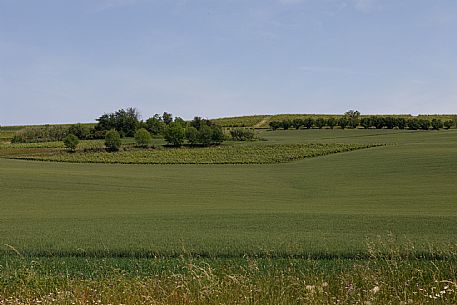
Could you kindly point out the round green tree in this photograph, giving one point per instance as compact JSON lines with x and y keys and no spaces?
{"x":143,"y":138}
{"x":113,"y":140}
{"x":71,"y":142}
{"x":174,"y":134}
{"x":192,"y":135}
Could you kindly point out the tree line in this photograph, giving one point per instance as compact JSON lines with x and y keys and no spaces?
{"x":353,"y":119}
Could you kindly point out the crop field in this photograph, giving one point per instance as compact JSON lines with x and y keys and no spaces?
{"x":328,"y":229}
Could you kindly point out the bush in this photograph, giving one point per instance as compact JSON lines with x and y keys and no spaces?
{"x":331,"y":122}
{"x":286,"y":124}
{"x":79,"y":130}
{"x":275,"y":125}
{"x":343,"y":122}
{"x":366,"y":122}
{"x":400,"y":123}
{"x":71,"y":142}
{"x":308,"y":123}
{"x":424,"y":124}
{"x":448,"y":124}
{"x":297,"y":123}
{"x":192,"y":135}
{"x":143,"y":138}
{"x":40,"y":134}
{"x":155,"y":125}
{"x":241,"y":134}
{"x":437,"y":124}
{"x":113,"y":140}
{"x":218,"y":135}
{"x":320,"y":122}
{"x":205,"y":135}
{"x":174,"y":134}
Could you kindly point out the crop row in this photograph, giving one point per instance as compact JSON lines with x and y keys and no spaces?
{"x":234,"y":154}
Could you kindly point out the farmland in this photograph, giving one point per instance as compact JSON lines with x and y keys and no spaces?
{"x":356,"y":218}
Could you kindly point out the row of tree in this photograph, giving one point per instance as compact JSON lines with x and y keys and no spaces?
{"x":352,"y":119}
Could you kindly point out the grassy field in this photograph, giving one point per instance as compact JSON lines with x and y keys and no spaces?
{"x":256,"y":233}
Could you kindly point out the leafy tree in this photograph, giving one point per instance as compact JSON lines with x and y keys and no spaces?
{"x":174,"y":134}
{"x":167,"y":118}
{"x":205,"y":135}
{"x":155,"y":125}
{"x":448,"y":124}
{"x":297,"y":123}
{"x":192,"y":135}
{"x":331,"y":122}
{"x":413,"y":124}
{"x":308,"y":123}
{"x":180,"y":121}
{"x":389,"y":122}
{"x":143,"y":138}
{"x":378,"y":122}
{"x":113,"y":140}
{"x":400,"y":123}
{"x":217,"y":135}
{"x":319,"y":122}
{"x":275,"y":125}
{"x":366,"y":122}
{"x":71,"y":142}
{"x":437,"y":124}
{"x":286,"y":124}
{"x":79,"y":130}
{"x":424,"y":124}
{"x":242,"y":134}
{"x":352,"y":117}
{"x":125,"y":121}
{"x":343,"y":122}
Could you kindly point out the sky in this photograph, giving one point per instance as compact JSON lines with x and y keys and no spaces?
{"x":66,"y":61}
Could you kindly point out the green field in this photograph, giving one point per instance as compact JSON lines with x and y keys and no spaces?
{"x":370,"y":225}
{"x":327,"y":205}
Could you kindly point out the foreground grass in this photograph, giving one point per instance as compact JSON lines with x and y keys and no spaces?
{"x":378,"y":280}
{"x":225,"y":154}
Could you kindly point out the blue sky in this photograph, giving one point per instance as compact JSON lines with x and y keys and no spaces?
{"x":72,"y":60}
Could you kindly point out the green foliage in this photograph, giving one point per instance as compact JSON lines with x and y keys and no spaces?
{"x":192,"y":135}
{"x":125,"y":121}
{"x":448,"y":124}
{"x":242,"y":134}
{"x":320,"y":123}
{"x":331,"y":122}
{"x":80,"y":130}
{"x":113,"y":140}
{"x":47,"y":133}
{"x":217,"y":136}
{"x":71,"y":142}
{"x":167,"y":118}
{"x":308,"y":123}
{"x":437,"y":124}
{"x":343,"y":122}
{"x":174,"y":134}
{"x":155,"y":125}
{"x":205,"y":135}
{"x":143,"y":138}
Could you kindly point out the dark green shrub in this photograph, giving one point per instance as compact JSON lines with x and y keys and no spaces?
{"x":192,"y":135}
{"x":113,"y":140}
{"x":413,"y":124}
{"x":275,"y":125}
{"x":308,"y":123}
{"x":40,"y":134}
{"x":155,"y":125}
{"x":400,"y":123}
{"x":79,"y":130}
{"x":389,"y":122}
{"x":241,"y":134}
{"x":437,"y":124}
{"x":217,"y":135}
{"x":319,"y":122}
{"x":125,"y":121}
{"x":448,"y":124}
{"x":297,"y":123}
{"x":71,"y":142}
{"x":378,"y":122}
{"x":174,"y":134}
{"x":424,"y":124}
{"x":143,"y":138}
{"x":286,"y":124}
{"x":331,"y":122}
{"x":205,"y":135}
{"x":343,"y":122}
{"x":366,"y":122}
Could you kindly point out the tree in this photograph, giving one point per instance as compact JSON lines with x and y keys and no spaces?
{"x":217,"y":135}
{"x":205,"y":135}
{"x":378,"y":122}
{"x":343,"y":122}
{"x":79,"y":130}
{"x":437,"y":124}
{"x":413,"y":124}
{"x":192,"y":135}
{"x":352,"y":117}
{"x":308,"y":123}
{"x":448,"y":124}
{"x":275,"y":125}
{"x":143,"y":138}
{"x":400,"y":123}
{"x":113,"y":140}
{"x":242,"y":134}
{"x":71,"y":142}
{"x":286,"y":124}
{"x":424,"y":124}
{"x":155,"y":125}
{"x":174,"y":134}
{"x":167,"y":118}
{"x":125,"y":121}
{"x":366,"y":122}
{"x":297,"y":123}
{"x":319,"y":122}
{"x":331,"y":122}
{"x":389,"y":122}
